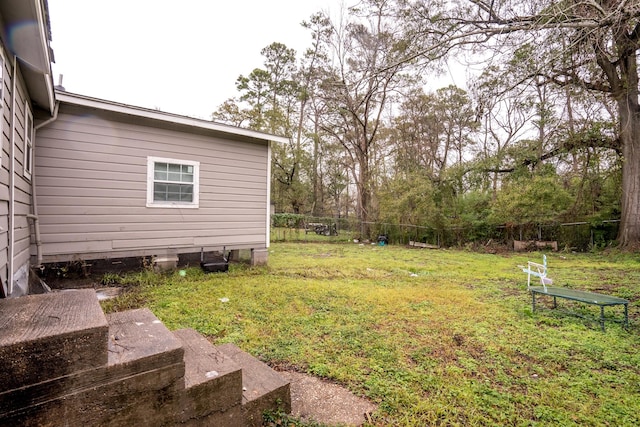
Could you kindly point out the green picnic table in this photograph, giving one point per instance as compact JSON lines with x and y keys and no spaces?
{"x":533,"y":269}
{"x":581,"y":296}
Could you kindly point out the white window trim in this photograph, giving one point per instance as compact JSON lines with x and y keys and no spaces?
{"x":28,"y":141}
{"x":150,"y":181}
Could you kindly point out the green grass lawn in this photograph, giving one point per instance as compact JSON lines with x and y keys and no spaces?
{"x":435,"y":337}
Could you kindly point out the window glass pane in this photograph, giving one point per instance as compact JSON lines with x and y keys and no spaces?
{"x":172,"y":192}
{"x":159,"y":192}
{"x":160,"y":171}
{"x":187,"y":193}
{"x":173,"y":172}
{"x":29,"y":127}
{"x":173,"y":176}
{"x":29,"y":156}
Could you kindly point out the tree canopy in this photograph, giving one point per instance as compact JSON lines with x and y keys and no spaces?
{"x":550,"y":114}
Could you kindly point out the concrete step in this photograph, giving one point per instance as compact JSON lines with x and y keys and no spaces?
{"x":213,"y":384}
{"x":263,"y":388}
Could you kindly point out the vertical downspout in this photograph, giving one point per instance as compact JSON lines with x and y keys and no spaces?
{"x":268,"y":234}
{"x":12,"y":170}
{"x":34,"y":202}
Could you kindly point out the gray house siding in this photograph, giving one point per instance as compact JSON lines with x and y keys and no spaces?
{"x":91,"y":168}
{"x":5,"y":127}
{"x":14,"y":205}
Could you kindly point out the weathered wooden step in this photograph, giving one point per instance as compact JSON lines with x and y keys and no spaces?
{"x":213,"y":382}
{"x":43,"y":337}
{"x":263,"y":388}
{"x":139,"y":342}
{"x":141,"y":383}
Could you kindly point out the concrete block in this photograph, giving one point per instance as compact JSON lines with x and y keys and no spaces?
{"x":259,"y":257}
{"x":165,"y":263}
{"x":234,"y":255}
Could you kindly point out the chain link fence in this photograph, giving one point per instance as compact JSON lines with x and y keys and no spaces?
{"x":575,"y":236}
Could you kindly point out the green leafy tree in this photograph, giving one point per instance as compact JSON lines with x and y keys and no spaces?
{"x":356,"y":91}
{"x":585,"y":44}
{"x":528,"y":198}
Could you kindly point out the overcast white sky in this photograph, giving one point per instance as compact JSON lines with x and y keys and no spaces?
{"x":179,"y":56}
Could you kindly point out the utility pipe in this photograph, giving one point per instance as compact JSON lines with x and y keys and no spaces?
{"x":34,"y":202}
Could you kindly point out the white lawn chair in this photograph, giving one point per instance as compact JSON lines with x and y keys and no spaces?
{"x":537,"y":270}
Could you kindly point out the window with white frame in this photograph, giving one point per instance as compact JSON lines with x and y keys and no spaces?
{"x":172,"y":183}
{"x":28,"y":141}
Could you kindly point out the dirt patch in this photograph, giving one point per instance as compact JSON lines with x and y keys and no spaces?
{"x":314,"y":399}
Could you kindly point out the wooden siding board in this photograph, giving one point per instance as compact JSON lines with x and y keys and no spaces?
{"x":228,"y":222}
{"x":48,"y":194}
{"x":3,"y":260}
{"x":90,"y":183}
{"x":49,"y":173}
{"x":55,"y":154}
{"x":5,"y":146}
{"x":76,"y":166}
{"x":163,"y":220}
{"x":240,"y":166}
{"x":75,"y":249}
{"x":22,"y":185}
{"x":136,"y":139}
{"x":22,"y":257}
{"x":142,"y":212}
{"x":170,"y":236}
{"x":82,"y":123}
{"x":154,"y":243}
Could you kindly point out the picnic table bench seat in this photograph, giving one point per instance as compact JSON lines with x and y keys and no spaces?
{"x":540,"y":270}
{"x":581,"y":296}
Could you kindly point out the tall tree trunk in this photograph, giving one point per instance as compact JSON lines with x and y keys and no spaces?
{"x":626,"y":94}
{"x":629,"y":233}
{"x":364,"y":195}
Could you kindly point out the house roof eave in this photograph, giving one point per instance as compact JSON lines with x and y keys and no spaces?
{"x":27,"y":37}
{"x":130,"y":110}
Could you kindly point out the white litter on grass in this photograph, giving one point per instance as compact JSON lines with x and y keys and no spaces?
{"x":413,"y":275}
{"x":225,"y":299}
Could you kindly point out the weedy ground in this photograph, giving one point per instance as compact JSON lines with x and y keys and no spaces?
{"x":434,"y":337}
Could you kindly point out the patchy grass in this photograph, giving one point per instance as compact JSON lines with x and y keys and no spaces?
{"x":435,"y":337}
